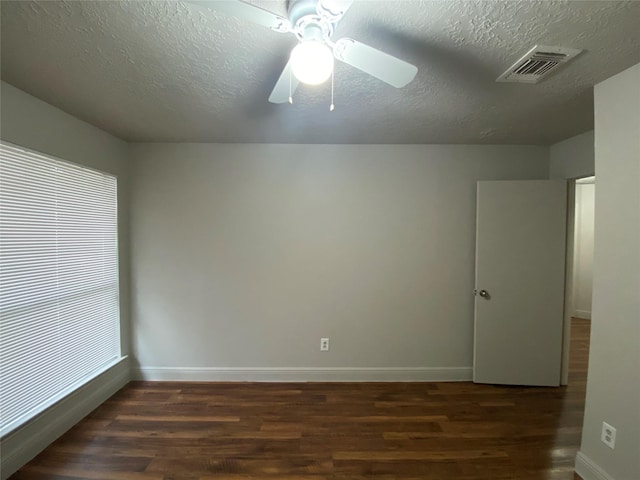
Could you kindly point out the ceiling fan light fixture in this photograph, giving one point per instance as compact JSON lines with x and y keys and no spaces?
{"x":312,"y":62}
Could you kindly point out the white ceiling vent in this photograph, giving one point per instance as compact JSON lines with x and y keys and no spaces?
{"x":537,"y":63}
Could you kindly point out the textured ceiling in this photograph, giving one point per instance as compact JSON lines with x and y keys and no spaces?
{"x":171,"y":71}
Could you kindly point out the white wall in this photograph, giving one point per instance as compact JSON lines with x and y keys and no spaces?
{"x":583,"y":249}
{"x":573,"y":157}
{"x":245,"y":255}
{"x":613,"y":386}
{"x":31,"y":123}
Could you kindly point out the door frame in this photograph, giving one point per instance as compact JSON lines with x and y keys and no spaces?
{"x":569,"y":291}
{"x":568,"y":280}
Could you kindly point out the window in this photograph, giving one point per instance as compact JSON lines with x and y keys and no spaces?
{"x":59,"y":305}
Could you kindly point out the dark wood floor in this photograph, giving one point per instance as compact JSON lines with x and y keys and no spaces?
{"x":314,"y":431}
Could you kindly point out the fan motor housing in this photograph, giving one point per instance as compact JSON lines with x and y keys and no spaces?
{"x":301,"y":8}
{"x":307,"y":23}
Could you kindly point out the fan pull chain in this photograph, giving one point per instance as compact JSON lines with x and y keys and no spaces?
{"x":290,"y":96}
{"x":332,"y":106}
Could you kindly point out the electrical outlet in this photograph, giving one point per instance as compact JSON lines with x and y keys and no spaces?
{"x":324,"y":344}
{"x":608,"y":436}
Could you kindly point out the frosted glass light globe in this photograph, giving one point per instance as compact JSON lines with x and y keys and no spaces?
{"x":312,"y":62}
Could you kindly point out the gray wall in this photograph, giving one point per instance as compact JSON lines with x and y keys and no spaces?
{"x":245,"y":255}
{"x":613,"y":386}
{"x":31,"y":123}
{"x":573,"y":157}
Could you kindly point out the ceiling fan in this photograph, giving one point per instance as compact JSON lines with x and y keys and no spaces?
{"x":311,"y":61}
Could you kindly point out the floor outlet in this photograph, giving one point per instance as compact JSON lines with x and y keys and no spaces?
{"x":324,"y":344}
{"x":608,"y":436}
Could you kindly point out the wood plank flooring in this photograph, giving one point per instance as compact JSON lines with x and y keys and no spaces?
{"x":315,"y":431}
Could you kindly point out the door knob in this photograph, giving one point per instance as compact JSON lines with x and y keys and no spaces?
{"x":484,"y":294}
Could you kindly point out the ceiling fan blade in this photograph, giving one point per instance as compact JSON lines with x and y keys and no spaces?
{"x":333,"y":10}
{"x":383,"y":66}
{"x":283,"y":89}
{"x":246,"y":11}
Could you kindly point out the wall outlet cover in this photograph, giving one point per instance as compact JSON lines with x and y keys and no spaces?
{"x":608,"y":436}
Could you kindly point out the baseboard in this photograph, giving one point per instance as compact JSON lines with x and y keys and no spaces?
{"x":589,"y":470}
{"x":20,"y":446}
{"x":582,"y":314}
{"x":302,"y":374}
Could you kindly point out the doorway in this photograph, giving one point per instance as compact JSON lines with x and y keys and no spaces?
{"x":579,"y":276}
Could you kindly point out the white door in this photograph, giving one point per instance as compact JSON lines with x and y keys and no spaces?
{"x":520,"y":262}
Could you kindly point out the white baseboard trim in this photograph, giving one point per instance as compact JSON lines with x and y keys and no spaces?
{"x":303,"y":374}
{"x":582,"y":314}
{"x":589,"y":470}
{"x":20,"y":446}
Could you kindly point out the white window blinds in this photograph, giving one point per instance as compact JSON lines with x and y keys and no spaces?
{"x":59,"y":307}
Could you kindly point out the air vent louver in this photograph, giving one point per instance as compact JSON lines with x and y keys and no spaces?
{"x":537,"y":63}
